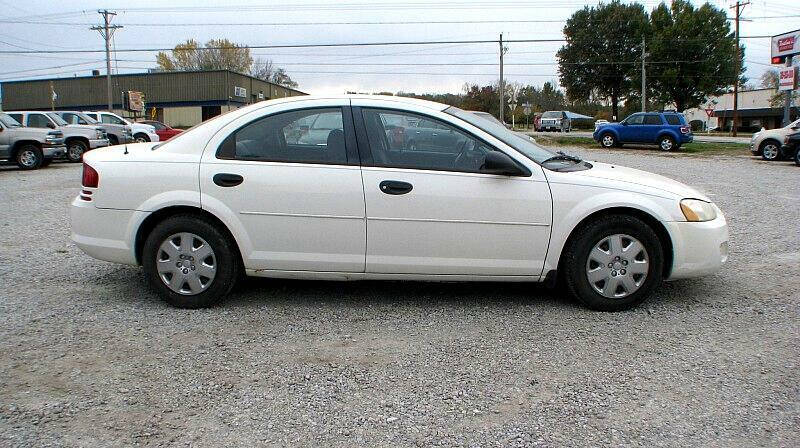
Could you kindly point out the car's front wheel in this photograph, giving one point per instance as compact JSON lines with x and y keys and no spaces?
{"x":770,"y":150}
{"x":613,"y":263}
{"x":608,"y":140}
{"x":190,"y":261}
{"x":29,"y":157}
{"x":75,"y":150}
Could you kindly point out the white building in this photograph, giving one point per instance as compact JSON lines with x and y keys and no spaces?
{"x":755,"y":112}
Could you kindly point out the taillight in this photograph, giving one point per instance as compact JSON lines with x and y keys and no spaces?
{"x":90,"y":177}
{"x":685,"y":129}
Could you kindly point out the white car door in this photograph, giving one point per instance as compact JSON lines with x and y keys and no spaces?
{"x":300,"y":205}
{"x":431,"y":211}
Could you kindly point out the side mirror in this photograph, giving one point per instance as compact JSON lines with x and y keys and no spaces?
{"x":497,"y":162}
{"x":624,"y":123}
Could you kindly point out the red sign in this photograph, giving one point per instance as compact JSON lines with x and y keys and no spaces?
{"x":786,"y":44}
{"x":710,"y":112}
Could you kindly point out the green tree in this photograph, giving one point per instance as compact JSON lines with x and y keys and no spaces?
{"x":693,"y":54}
{"x":600,"y":51}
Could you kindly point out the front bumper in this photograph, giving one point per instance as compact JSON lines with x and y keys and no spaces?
{"x":98,"y":143}
{"x":53,"y":151}
{"x":699,"y":248}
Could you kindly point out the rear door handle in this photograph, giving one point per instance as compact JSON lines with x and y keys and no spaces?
{"x":395,"y":187}
{"x":228,"y":179}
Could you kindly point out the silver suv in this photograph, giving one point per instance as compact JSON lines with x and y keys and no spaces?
{"x":118,"y":133}
{"x":79,"y":138}
{"x":555,"y":120}
{"x":29,"y":148}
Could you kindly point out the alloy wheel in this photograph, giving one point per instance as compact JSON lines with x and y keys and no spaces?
{"x":770,"y":151}
{"x":27,"y":158}
{"x":75,"y":152}
{"x":186,"y":263}
{"x":666,"y":144}
{"x":617,"y":266}
{"x":608,"y":141}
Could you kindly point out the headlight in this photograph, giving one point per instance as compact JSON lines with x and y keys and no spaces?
{"x":696,"y":210}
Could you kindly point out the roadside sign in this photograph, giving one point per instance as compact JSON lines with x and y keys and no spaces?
{"x":527,"y":110}
{"x":785,"y":45}
{"x":710,"y":112}
{"x":134,"y":101}
{"x":787,"y":78}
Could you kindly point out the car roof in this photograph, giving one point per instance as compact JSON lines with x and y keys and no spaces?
{"x":398,"y":99}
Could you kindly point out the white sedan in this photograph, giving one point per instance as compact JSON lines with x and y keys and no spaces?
{"x":246,"y":193}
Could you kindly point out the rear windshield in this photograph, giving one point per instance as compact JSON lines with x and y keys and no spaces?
{"x":675,"y":119}
{"x":551,"y":114}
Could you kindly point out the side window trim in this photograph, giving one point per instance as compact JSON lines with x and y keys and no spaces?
{"x":365,"y":151}
{"x":227,"y":148}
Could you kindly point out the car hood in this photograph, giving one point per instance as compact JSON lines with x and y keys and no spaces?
{"x":630,"y":179}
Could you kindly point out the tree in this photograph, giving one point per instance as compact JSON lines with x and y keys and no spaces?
{"x":600,"y":51}
{"x":770,"y":80}
{"x":221,"y":54}
{"x":692,"y":54}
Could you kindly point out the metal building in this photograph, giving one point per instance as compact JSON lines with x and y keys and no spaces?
{"x":179,"y":99}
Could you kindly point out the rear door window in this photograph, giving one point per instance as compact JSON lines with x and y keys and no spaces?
{"x":652,"y":119}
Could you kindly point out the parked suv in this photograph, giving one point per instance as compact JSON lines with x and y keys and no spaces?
{"x":668,"y":130}
{"x":29,"y":148}
{"x":141,"y":132}
{"x":555,"y":120}
{"x":117,"y":133}
{"x":78,"y":138}
{"x":767,"y":143}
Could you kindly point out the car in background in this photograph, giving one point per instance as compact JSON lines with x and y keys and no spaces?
{"x":79,"y":138}
{"x":117,"y":134}
{"x":141,"y":132}
{"x":29,"y":148}
{"x":164,"y":132}
{"x":316,"y":128}
{"x":599,"y":123}
{"x":767,"y":143}
{"x":233,"y":197}
{"x":555,"y":120}
{"x":668,"y":130}
{"x":791,"y":147}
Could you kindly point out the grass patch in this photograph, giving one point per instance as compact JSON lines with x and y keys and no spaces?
{"x":690,"y":148}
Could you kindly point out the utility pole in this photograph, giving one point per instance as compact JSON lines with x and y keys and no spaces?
{"x":644,"y":82}
{"x":107,"y":32}
{"x":787,"y":105}
{"x":739,"y":5}
{"x":502,"y":84}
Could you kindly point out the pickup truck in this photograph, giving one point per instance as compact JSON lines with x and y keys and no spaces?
{"x":78,"y":138}
{"x":668,"y":130}
{"x":29,"y":148}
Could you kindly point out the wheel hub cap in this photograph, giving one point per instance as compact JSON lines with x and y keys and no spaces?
{"x":617,"y":266}
{"x":186,"y":263}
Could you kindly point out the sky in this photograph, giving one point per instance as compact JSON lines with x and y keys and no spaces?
{"x":64,"y":26}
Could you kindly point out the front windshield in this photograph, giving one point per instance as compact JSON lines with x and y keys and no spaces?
{"x":8,"y":121}
{"x":55,"y":117}
{"x":526,"y":147}
{"x":551,"y":114}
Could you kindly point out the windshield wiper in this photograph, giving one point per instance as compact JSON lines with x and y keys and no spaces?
{"x":562,"y":156}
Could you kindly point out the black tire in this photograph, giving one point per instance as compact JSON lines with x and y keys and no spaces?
{"x":226,"y":259}
{"x":770,"y":150}
{"x":607,"y":140}
{"x":797,"y":157}
{"x":575,"y":260}
{"x":140,"y":138}
{"x":47,"y":161}
{"x":112,"y":140}
{"x":75,"y":150}
{"x":29,"y":157}
{"x":667,"y":143}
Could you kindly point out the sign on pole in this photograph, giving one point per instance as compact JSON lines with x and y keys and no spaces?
{"x":787,"y":78}
{"x":785,"y":45}
{"x":710,"y":112}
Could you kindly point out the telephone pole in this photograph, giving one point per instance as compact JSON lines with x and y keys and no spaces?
{"x":107,"y":32}
{"x":644,"y":82}
{"x":502,"y":84}
{"x":739,"y":5}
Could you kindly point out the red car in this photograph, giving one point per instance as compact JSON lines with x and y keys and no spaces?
{"x":164,"y":132}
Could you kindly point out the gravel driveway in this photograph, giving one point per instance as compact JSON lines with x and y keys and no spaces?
{"x":90,"y":357}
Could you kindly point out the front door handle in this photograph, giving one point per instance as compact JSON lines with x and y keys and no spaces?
{"x":395,"y":187}
{"x":228,"y":179}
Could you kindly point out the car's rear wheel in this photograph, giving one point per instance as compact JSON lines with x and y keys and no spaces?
{"x":608,"y":140}
{"x":770,"y":150}
{"x":141,"y":138}
{"x":29,"y":157}
{"x":75,"y":150}
{"x":666,"y":143}
{"x":613,"y":263}
{"x":190,"y":262}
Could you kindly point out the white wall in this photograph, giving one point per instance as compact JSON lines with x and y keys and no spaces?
{"x":183,"y":116}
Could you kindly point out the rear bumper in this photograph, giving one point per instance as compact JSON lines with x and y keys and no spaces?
{"x":105,"y":234}
{"x":687,"y":138}
{"x":699,"y":248}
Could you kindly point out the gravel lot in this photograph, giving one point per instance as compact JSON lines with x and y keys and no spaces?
{"x":90,"y":357}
